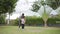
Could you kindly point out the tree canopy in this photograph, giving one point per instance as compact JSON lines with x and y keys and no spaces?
{"x":35,"y":7}
{"x":53,"y":3}
{"x":7,"y":6}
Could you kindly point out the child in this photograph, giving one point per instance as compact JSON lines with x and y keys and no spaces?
{"x":23,"y":20}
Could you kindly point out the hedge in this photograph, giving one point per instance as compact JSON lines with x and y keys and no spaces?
{"x":37,"y":21}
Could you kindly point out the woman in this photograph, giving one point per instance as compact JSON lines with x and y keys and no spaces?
{"x":23,"y":20}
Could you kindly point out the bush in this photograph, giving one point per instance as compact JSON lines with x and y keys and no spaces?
{"x":34,"y":21}
{"x":37,"y":21}
{"x":14,"y":22}
{"x":52,"y":21}
{"x":2,"y":19}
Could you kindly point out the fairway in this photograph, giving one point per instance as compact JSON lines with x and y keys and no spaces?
{"x":29,"y":30}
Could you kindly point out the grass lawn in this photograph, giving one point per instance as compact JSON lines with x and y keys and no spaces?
{"x":29,"y":30}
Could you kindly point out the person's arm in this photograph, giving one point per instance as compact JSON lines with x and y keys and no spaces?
{"x":25,"y":19}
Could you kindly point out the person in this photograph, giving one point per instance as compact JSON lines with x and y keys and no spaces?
{"x":19,"y":23}
{"x":23,"y":20}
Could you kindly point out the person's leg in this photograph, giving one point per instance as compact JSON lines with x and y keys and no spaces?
{"x":19,"y":25}
{"x":22,"y":26}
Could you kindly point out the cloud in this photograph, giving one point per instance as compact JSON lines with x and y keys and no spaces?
{"x":23,"y":7}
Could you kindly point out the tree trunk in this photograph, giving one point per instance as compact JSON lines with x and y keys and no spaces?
{"x":45,"y":23}
{"x":8,"y":19}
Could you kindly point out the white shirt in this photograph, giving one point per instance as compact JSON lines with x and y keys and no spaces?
{"x":22,"y":21}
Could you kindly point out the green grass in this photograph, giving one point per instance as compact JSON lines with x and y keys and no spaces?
{"x":29,"y":30}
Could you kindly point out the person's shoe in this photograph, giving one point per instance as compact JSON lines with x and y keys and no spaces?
{"x":22,"y":29}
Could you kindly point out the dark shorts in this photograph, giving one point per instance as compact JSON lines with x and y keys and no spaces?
{"x":23,"y":26}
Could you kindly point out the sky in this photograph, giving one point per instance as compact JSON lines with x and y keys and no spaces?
{"x":24,"y":6}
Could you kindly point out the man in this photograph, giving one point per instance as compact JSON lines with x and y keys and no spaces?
{"x":23,"y":20}
{"x":19,"y":23}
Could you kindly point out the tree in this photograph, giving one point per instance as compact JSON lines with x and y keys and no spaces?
{"x":7,"y":6}
{"x":53,"y":3}
{"x":45,"y":15}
